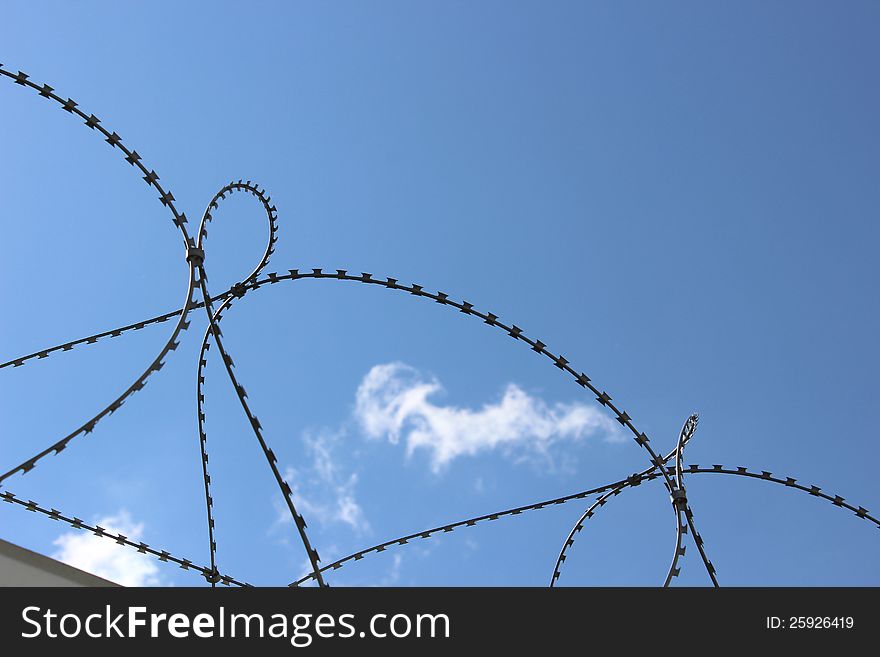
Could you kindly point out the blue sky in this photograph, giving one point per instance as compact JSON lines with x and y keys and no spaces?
{"x":681,"y":199}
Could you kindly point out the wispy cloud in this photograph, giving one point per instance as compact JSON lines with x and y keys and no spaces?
{"x":325,"y":491}
{"x":393,"y":576}
{"x":105,"y":558}
{"x":394,"y":401}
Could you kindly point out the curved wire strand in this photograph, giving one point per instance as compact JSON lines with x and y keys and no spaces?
{"x":179,"y":219}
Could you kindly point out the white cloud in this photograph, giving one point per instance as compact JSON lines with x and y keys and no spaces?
{"x":326,"y":493}
{"x":393,"y":401}
{"x":107,"y":559}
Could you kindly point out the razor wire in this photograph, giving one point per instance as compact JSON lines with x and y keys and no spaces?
{"x":194,"y":252}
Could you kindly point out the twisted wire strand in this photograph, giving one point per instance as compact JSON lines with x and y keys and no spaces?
{"x":690,"y":426}
{"x":214,"y":330}
{"x":684,"y":437}
{"x":684,"y":513}
{"x":679,"y":504}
